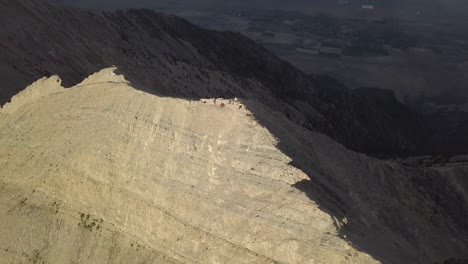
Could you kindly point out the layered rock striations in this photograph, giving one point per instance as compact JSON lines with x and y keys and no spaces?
{"x":105,"y":173}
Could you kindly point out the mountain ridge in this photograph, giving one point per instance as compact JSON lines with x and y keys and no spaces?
{"x":191,"y":200}
{"x":142,"y":161}
{"x":69,"y":153}
{"x":182,"y":60}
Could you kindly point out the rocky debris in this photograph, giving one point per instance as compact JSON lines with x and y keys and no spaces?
{"x":232,"y":103}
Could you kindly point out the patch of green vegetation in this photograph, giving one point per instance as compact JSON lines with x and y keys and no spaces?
{"x":138,"y":247}
{"x":55,"y":206}
{"x":90,"y":224}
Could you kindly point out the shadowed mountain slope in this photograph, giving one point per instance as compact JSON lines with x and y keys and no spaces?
{"x":166,"y":55}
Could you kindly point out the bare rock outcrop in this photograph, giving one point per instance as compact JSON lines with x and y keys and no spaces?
{"x":104,"y":173}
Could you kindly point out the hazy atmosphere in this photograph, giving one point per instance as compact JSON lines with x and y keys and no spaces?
{"x":440,"y":7}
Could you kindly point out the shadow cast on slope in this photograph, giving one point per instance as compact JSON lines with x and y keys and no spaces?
{"x":367,"y":198}
{"x":377,"y":236}
{"x":149,"y":48}
{"x":395,"y":214}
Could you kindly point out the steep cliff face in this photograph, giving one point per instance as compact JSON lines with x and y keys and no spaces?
{"x":105,"y":173}
{"x":166,"y":55}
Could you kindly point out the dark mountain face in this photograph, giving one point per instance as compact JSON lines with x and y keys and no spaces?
{"x":377,"y":123}
{"x":366,"y":120}
{"x":451,"y":6}
{"x":169,"y":56}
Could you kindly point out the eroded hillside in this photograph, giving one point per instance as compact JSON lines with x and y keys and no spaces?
{"x":105,"y":173}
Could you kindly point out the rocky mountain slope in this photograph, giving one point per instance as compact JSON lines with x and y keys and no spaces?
{"x":114,"y":175}
{"x":134,"y":165}
{"x":104,"y":173}
{"x":166,"y":55}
